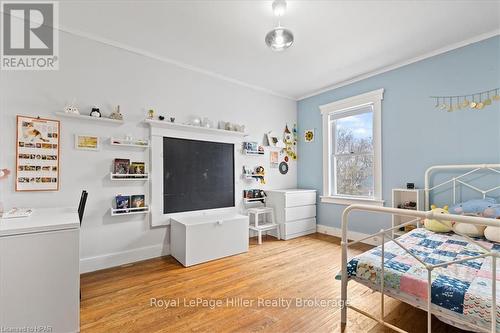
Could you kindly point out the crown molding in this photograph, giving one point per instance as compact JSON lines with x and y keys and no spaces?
{"x":431,"y":54}
{"x":151,"y":55}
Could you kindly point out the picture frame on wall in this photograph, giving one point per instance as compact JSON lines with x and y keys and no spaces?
{"x":274,"y":159}
{"x":87,"y":142}
{"x":275,"y":140}
{"x":37,"y":154}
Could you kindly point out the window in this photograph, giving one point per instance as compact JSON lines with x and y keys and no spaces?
{"x":352,"y":167}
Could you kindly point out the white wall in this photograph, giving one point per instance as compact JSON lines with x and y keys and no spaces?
{"x":94,"y":73}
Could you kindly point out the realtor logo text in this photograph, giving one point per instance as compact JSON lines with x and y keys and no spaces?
{"x":280,"y":302}
{"x":30,"y":36}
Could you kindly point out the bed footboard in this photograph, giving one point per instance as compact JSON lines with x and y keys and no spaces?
{"x":386,"y":235}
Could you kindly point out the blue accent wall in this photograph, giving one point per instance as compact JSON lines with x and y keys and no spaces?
{"x":415,"y":135}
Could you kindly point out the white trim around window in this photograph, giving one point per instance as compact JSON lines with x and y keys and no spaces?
{"x":344,"y":108}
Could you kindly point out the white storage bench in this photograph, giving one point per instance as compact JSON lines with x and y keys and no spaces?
{"x":197,"y":239}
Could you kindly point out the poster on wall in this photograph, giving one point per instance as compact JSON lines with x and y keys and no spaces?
{"x":37,"y":157}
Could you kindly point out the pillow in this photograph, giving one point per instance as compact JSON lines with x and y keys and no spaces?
{"x":437,"y":225}
{"x":492,"y":234}
{"x":470,"y":230}
{"x":472,"y":207}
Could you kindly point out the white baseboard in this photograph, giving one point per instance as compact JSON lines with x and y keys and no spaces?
{"x":352,"y":235}
{"x":91,"y":264}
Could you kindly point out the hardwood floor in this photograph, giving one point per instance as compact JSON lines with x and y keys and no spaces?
{"x":119,"y":299}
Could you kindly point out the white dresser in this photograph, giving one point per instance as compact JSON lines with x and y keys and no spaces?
{"x":295,"y":211}
{"x":39,"y":271}
{"x":198,"y":239}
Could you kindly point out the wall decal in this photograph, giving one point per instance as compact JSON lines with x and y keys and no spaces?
{"x":309,"y":135}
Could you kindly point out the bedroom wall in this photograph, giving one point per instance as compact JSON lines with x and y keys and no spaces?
{"x":415,"y":134}
{"x":95,"y":73}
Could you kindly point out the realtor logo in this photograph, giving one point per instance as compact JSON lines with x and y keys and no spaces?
{"x":30,"y":35}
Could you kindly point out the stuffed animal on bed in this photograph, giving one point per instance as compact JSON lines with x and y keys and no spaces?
{"x":437,"y":225}
{"x":467,"y":229}
{"x":474,"y":207}
{"x":492,"y":233}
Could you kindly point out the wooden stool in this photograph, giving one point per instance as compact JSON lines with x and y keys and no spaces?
{"x":266,"y":224}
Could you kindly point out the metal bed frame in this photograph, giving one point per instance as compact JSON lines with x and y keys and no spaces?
{"x":386,"y":234}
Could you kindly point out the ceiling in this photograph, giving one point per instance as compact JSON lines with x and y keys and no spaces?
{"x":335,"y":41}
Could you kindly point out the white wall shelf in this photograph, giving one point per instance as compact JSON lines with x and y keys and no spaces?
{"x":128,"y":177}
{"x":248,"y":200}
{"x":253,"y":152}
{"x":253,"y":176}
{"x":84,"y":117}
{"x":129,"y":211}
{"x":199,"y":129}
{"x":129,"y":143}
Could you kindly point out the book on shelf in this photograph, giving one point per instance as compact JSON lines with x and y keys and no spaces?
{"x":121,"y":166}
{"x":137,"y":168}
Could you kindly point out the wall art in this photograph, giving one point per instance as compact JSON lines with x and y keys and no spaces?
{"x":37,"y":154}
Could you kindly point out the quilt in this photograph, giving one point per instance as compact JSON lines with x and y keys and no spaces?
{"x":464,"y":289}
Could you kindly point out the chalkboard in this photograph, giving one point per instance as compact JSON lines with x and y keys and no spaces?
{"x":197,"y":175}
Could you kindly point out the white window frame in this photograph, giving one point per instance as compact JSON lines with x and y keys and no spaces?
{"x":344,"y":106}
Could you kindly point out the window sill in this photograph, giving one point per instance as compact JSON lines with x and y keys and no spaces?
{"x":351,"y":201}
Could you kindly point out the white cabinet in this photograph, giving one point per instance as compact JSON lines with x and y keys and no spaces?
{"x":39,"y":271}
{"x":295,"y":211}
{"x":412,"y":199}
{"x":198,"y":239}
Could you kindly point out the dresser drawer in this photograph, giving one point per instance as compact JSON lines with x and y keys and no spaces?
{"x":293,"y":199}
{"x":299,"y":213}
{"x":299,"y":226}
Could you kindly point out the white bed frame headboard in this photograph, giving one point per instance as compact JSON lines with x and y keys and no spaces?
{"x":459,"y":179}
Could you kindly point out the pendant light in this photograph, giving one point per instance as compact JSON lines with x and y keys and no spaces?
{"x":280,"y":38}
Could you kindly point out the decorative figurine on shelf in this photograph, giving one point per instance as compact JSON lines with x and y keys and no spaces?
{"x":116,"y":114}
{"x":172,"y":119}
{"x":71,"y":108}
{"x":161,"y":118}
{"x":246,"y":171}
{"x":290,"y":140}
{"x":151,"y":114}
{"x":95,"y":112}
{"x":260,"y":172}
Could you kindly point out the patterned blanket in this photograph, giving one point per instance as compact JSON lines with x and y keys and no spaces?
{"x":464,"y":289}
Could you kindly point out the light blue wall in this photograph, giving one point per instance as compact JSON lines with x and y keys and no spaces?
{"x":415,"y":134}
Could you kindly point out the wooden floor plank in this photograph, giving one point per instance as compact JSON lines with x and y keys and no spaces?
{"x":118,"y":299}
